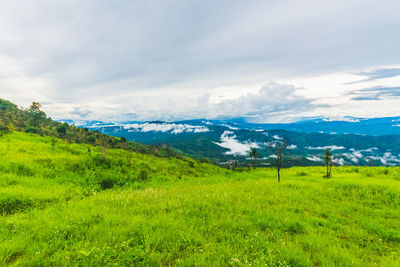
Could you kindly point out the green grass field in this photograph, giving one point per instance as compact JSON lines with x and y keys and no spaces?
{"x":62,"y":205}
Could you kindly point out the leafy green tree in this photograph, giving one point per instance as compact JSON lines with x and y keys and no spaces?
{"x":328,"y":163}
{"x":62,"y":130}
{"x":36,"y":116}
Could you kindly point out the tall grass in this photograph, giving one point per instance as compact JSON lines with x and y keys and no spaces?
{"x":56,"y":212}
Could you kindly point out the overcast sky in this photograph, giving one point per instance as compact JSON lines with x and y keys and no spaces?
{"x":271,"y":61}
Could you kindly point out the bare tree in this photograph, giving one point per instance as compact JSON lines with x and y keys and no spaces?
{"x":253,"y":156}
{"x":328,"y":163}
{"x":278,"y":148}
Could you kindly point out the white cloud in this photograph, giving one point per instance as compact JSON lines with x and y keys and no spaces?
{"x":353,"y":157}
{"x":148,"y":60}
{"x":235,"y":147}
{"x":277,"y":137}
{"x":334,"y":147}
{"x":165,"y":127}
{"x":387,"y":159}
{"x":339,"y":161}
{"x":314,"y":158}
{"x":230,"y":127}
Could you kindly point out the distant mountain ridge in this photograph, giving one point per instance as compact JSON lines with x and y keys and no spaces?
{"x":347,"y":125}
{"x":224,"y":140}
{"x":350,"y":125}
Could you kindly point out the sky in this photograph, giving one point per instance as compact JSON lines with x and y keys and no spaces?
{"x":268,"y":61}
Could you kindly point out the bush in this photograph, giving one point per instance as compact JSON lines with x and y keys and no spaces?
{"x":62,"y":130}
{"x":302,"y":174}
{"x":205,"y":160}
{"x":106,"y":184}
{"x":91,"y":139}
{"x":12,"y":205}
{"x":21,"y":169}
{"x":101,"y":161}
{"x":3,"y":129}
{"x":32,"y":130}
{"x":295,"y":228}
{"x":143,"y":175}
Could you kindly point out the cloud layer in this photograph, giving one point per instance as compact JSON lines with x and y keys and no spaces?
{"x":177,"y":59}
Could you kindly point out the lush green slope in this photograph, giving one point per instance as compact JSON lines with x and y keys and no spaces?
{"x":34,"y":120}
{"x":160,"y":211}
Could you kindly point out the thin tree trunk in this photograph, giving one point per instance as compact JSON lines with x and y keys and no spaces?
{"x":279,"y":175}
{"x":327,"y":171}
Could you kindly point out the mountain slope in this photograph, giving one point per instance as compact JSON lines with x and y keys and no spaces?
{"x":227,"y":141}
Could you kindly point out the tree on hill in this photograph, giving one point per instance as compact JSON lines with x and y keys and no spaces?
{"x":328,"y":163}
{"x":36,"y":116}
{"x":253,"y":157}
{"x":61,"y":130}
{"x":3,"y":129}
{"x":278,"y":148}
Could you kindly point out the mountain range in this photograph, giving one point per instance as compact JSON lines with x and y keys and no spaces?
{"x":353,"y":141}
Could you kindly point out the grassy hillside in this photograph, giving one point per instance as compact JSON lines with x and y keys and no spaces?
{"x":34,"y":120}
{"x":75,"y":204}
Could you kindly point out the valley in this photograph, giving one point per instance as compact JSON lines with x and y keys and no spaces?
{"x":224,"y":141}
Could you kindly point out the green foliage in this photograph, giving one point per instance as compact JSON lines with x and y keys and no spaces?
{"x":91,"y":139}
{"x":143,"y":175}
{"x":32,"y":130}
{"x":61,"y":130}
{"x":106,"y":184}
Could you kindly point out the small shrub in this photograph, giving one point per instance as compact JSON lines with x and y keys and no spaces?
{"x":143,"y":175}
{"x":13,"y":205}
{"x":91,"y":139}
{"x":32,"y":130}
{"x":21,"y":169}
{"x":106,"y":184}
{"x":295,"y":228}
{"x":204,"y":160}
{"x":101,"y":161}
{"x":44,"y":162}
{"x":302,"y":173}
{"x":369,"y":174}
{"x":3,"y":130}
